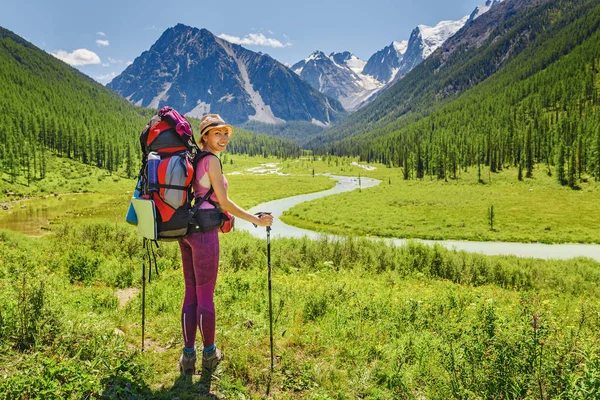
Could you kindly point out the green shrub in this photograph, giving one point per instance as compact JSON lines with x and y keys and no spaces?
{"x":105,"y":301}
{"x":315,"y":307}
{"x":26,"y":319}
{"x":117,"y":273}
{"x":82,"y":265}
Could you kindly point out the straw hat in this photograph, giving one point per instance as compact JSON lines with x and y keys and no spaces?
{"x":210,"y":121}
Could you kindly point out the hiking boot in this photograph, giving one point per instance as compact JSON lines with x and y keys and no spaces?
{"x":187,"y":363}
{"x":211,"y":359}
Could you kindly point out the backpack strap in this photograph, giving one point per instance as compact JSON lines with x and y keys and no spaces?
{"x":206,"y":197}
{"x":203,"y":153}
{"x":163,"y":186}
{"x":199,"y":200}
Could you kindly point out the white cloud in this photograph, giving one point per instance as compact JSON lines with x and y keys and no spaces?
{"x":254,"y":39}
{"x":101,"y":34}
{"x":77,"y":57}
{"x":104,"y":79}
{"x":113,"y":61}
{"x":102,"y":43}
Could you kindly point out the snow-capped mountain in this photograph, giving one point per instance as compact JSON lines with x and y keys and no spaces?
{"x":423,"y":41}
{"x":355,"y":82}
{"x":479,"y":10}
{"x":197,"y":73}
{"x":396,"y":60}
{"x":332,"y":76}
{"x":384,"y":64}
{"x":339,"y":76}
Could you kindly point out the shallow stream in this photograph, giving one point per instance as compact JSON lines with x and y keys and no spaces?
{"x":536,"y":250}
{"x":33,"y":217}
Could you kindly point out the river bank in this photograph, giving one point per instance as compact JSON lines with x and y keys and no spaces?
{"x":345,"y":184}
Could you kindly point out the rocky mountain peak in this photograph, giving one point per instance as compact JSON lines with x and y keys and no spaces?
{"x":197,"y":73}
{"x":400,"y":46}
{"x":341,"y":58}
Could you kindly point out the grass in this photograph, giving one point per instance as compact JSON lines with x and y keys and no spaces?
{"x":64,"y":176}
{"x":534,"y":210}
{"x":353,"y":319}
{"x":68,"y":176}
{"x":81,"y":192}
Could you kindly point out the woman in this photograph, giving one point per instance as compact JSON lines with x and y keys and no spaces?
{"x":200,"y":251}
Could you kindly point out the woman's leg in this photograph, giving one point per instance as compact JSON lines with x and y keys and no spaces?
{"x":190,"y":303}
{"x":205,"y":256}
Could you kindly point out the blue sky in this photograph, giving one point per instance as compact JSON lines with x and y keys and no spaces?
{"x":100,"y":38}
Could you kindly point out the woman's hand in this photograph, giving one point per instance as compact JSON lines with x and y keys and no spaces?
{"x":264,"y":219}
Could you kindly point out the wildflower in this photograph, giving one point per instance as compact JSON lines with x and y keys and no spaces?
{"x":535,"y":321}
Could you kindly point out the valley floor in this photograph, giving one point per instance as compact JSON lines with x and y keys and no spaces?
{"x":499,"y":209}
{"x":352,"y":318}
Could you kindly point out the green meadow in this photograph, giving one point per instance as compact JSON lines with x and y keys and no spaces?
{"x":352,"y":318}
{"x":532,"y":210}
{"x":82,"y":192}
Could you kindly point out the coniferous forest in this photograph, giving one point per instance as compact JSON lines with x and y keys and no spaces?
{"x":50,"y":108}
{"x":526,"y":99}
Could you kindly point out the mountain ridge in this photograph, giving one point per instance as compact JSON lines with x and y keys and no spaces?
{"x":249,"y":85}
{"x":385,"y":67}
{"x":524,"y":98}
{"x":407,"y":94}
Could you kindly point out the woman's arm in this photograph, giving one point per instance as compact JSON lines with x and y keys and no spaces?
{"x":214,"y":173}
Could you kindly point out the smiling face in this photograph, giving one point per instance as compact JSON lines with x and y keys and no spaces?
{"x":216,"y":139}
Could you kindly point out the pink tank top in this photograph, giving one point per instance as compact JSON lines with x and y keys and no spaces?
{"x":201,"y":183}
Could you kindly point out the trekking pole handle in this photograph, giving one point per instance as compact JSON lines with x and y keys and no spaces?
{"x":260,"y":214}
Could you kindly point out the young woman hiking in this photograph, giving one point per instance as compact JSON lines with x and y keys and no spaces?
{"x":200,"y":250}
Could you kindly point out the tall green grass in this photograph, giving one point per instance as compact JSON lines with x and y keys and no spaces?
{"x":353,"y":319}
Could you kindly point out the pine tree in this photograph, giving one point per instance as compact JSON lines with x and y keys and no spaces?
{"x":560,"y":165}
{"x":598,"y":153}
{"x":529,"y":153}
{"x":572,"y":180}
{"x":520,"y":175}
{"x":128,"y":162}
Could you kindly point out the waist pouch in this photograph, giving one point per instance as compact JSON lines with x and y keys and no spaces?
{"x":206,"y":219}
{"x":228,"y":223}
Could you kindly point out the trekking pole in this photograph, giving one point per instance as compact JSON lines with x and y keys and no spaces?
{"x":270,"y":301}
{"x":143,"y":298}
{"x":260,"y":214}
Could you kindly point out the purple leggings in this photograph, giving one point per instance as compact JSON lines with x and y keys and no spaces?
{"x":200,"y":256}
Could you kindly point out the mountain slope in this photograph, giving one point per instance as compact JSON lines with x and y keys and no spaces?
{"x":50,"y":107}
{"x":459,"y":64}
{"x":197,"y":73}
{"x":528,"y":94}
{"x":384,"y":64}
{"x":338,"y":76}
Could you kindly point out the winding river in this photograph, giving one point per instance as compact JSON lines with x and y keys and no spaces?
{"x":344,"y":184}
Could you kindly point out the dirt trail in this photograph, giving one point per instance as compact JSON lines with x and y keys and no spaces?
{"x":124,"y":295}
